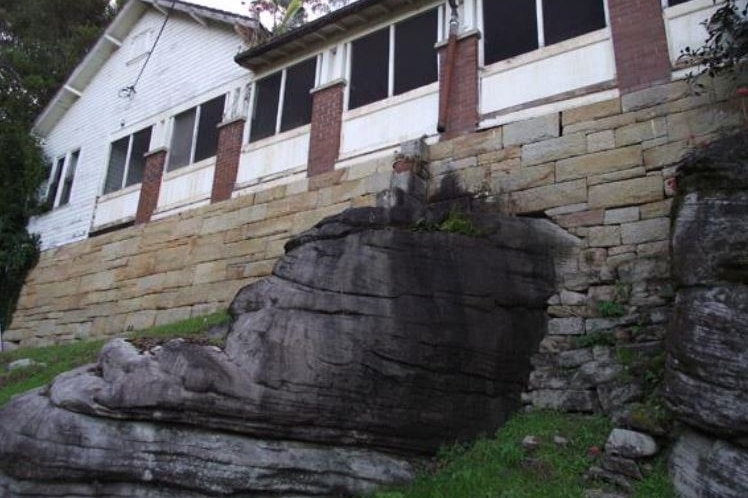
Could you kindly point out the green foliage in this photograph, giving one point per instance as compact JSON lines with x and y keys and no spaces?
{"x":725,"y":49}
{"x":595,"y":339}
{"x":455,"y":222}
{"x":610,"y":309}
{"x":500,"y":468}
{"x":64,"y":357}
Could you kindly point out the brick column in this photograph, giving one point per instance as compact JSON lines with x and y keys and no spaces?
{"x":640,"y":43}
{"x":151,"y":186}
{"x":462,"y":101}
{"x":327,"y":121}
{"x":230,"y":136}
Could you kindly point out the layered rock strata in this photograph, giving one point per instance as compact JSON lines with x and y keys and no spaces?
{"x":371,"y":345}
{"x":706,"y":381}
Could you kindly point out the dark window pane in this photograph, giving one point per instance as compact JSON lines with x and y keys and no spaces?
{"x":415,"y":56}
{"x":563,"y":19}
{"x":67,"y":186}
{"x":297,"y":102}
{"x":677,"y":2}
{"x":211,"y":115}
{"x":265,"y":112}
{"x":116,"y":168}
{"x":369,"y":68}
{"x":141,"y":142}
{"x":181,"y":140}
{"x":511,"y":28}
{"x":56,"y":182}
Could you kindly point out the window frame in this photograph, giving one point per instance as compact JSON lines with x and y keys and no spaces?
{"x":283,"y":71}
{"x":58,"y":178}
{"x":128,"y":160}
{"x":197,"y":109}
{"x":439,"y":9}
{"x":540,"y":31}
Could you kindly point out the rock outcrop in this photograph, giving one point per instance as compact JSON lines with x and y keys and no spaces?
{"x":706,"y":382}
{"x":371,"y":345}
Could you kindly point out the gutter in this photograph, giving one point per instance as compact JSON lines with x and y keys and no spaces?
{"x":441,"y":125}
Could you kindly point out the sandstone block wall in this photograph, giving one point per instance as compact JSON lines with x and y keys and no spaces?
{"x":185,"y":265}
{"x":604,"y":172}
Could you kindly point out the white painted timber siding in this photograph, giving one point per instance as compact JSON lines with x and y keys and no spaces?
{"x":117,"y":207}
{"x":570,"y":65}
{"x":684,"y":25}
{"x":186,"y":185}
{"x":273,"y":156}
{"x":192,"y":63}
{"x":390,"y":122}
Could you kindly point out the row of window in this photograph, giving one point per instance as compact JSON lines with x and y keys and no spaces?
{"x":388,"y":62}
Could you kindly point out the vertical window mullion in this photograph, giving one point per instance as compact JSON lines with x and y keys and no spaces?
{"x":347,"y":74}
{"x":128,"y":157}
{"x":281,"y":99}
{"x":541,"y":24}
{"x":251,"y":109}
{"x":391,"y":67}
{"x":195,"y":131}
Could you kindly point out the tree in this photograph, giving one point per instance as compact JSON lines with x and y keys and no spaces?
{"x":725,"y":49}
{"x":41,"y":41}
{"x":284,"y":15}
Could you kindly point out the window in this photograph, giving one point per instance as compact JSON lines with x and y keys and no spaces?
{"x":140,"y":45}
{"x":194,"y":135}
{"x":127,"y":161}
{"x":55,"y":184}
{"x":62,"y":175}
{"x":282,"y":100}
{"x":375,"y":76}
{"x":514,"y":27}
{"x":67,"y":185}
{"x":676,"y":2}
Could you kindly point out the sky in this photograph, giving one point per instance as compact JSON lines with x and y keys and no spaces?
{"x":236,"y":6}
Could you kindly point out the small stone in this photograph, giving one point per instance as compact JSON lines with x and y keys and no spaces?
{"x":570,"y":298}
{"x":623,"y":466}
{"x":24,"y":363}
{"x":560,"y":441}
{"x":566,"y":326}
{"x":599,"y":474}
{"x":568,"y":359}
{"x":530,"y":443}
{"x":599,"y":493}
{"x":630,"y":444}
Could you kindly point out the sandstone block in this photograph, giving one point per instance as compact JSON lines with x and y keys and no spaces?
{"x":601,"y":140}
{"x":621,"y":215}
{"x":532,"y":130}
{"x":605,"y":236}
{"x":581,"y":218}
{"x":591,"y":112}
{"x":652,"y":96}
{"x":501,"y":155}
{"x":523,"y":178}
{"x":645,"y":231}
{"x":701,"y":121}
{"x":640,"y":132}
{"x":553,"y":149}
{"x":664,"y":155}
{"x":656,"y":209}
{"x":566,"y":326}
{"x":609,"y":123}
{"x":627,"y":192}
{"x":598,"y":163}
{"x":550,"y":196}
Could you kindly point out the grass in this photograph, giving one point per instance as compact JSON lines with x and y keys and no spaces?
{"x":500,"y":468}
{"x":63,"y":357}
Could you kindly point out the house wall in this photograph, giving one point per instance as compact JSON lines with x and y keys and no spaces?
{"x":167,"y":86}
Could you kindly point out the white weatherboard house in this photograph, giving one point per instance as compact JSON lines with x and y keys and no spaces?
{"x":97,"y":129}
{"x":351,"y":85}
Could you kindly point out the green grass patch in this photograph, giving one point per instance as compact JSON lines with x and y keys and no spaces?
{"x":500,"y":468}
{"x":63,"y":357}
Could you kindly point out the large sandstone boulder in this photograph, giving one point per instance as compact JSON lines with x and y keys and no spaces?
{"x":706,"y":380}
{"x":369,"y":347}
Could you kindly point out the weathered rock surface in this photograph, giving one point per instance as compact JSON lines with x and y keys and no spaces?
{"x":370,"y":346}
{"x":706,"y":384}
{"x":705,"y":467}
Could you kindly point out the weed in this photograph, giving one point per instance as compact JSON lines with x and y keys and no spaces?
{"x":595,"y":339}
{"x":610,"y":309}
{"x":455,"y":222}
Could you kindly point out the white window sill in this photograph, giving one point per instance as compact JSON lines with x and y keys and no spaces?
{"x":392,"y":101}
{"x":277,"y":138}
{"x":190,"y":168}
{"x":119,"y":193}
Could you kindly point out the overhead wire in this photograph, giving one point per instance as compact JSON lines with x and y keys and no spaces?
{"x":130,"y":90}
